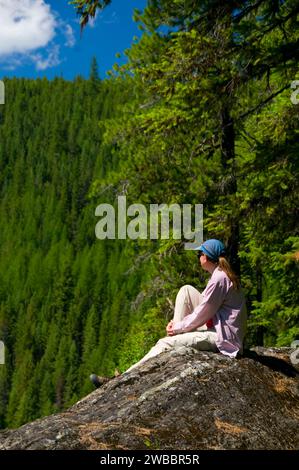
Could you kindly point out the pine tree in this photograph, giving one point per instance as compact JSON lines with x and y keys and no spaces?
{"x":94,"y":71}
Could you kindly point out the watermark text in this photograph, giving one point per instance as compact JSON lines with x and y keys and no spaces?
{"x":161,"y":221}
{"x":295,"y":87}
{"x":2,"y":353}
{"x":2,"y":92}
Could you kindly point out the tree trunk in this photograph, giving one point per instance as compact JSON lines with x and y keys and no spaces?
{"x":259,"y":295}
{"x":228,"y":164}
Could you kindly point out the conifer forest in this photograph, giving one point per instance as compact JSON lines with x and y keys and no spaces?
{"x":204,"y":111}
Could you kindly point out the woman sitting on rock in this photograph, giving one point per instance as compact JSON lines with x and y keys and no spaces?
{"x":214,"y":320}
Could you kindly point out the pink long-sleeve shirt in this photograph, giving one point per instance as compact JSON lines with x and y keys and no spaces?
{"x":227,"y":307}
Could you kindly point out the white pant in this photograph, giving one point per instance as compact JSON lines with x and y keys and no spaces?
{"x":203,"y":338}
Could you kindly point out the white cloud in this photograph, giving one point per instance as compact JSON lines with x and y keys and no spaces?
{"x":11,"y":64}
{"x":113,"y":19}
{"x":30,"y":31}
{"x":92,"y":21}
{"x":104,"y":17}
{"x":51,"y":60}
{"x":69,"y":36}
{"x":25,"y":25}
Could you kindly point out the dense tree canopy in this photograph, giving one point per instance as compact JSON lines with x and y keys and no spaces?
{"x":200,"y":113}
{"x":213,"y":123}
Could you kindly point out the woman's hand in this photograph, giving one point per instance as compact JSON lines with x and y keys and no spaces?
{"x":169,"y":329}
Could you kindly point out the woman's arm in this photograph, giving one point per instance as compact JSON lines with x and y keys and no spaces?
{"x":214,"y":296}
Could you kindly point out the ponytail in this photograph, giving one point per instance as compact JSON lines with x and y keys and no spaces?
{"x":226,"y":267}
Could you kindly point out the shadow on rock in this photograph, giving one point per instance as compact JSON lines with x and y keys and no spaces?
{"x":275,"y":363}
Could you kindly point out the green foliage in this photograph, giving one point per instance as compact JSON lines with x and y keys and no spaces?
{"x":59,"y":284}
{"x":94,"y":71}
{"x":87,"y":9}
{"x":201,"y":113}
{"x":213,"y":122}
{"x":142,"y":335}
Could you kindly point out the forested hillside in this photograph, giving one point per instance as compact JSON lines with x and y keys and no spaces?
{"x":65,"y":300}
{"x":201,"y":114}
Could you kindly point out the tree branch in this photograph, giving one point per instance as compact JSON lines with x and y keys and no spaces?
{"x":260,"y":105}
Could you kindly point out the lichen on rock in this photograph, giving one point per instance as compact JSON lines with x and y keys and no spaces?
{"x":181,"y":399}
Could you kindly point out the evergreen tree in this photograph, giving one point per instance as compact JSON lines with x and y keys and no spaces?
{"x":94,"y":71}
{"x":201,"y":113}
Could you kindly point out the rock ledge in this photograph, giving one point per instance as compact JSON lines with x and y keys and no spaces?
{"x":182,"y":399}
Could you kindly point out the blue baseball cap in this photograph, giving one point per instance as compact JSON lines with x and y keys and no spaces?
{"x":212,"y":248}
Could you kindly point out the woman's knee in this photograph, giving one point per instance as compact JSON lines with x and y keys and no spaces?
{"x":189,"y":292}
{"x":186,"y":287}
{"x":184,"y":290}
{"x":166,"y":342}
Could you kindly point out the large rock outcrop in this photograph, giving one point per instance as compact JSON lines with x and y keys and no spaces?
{"x":182,"y":399}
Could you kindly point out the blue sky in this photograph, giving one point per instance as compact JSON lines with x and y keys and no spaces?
{"x":41,"y":38}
